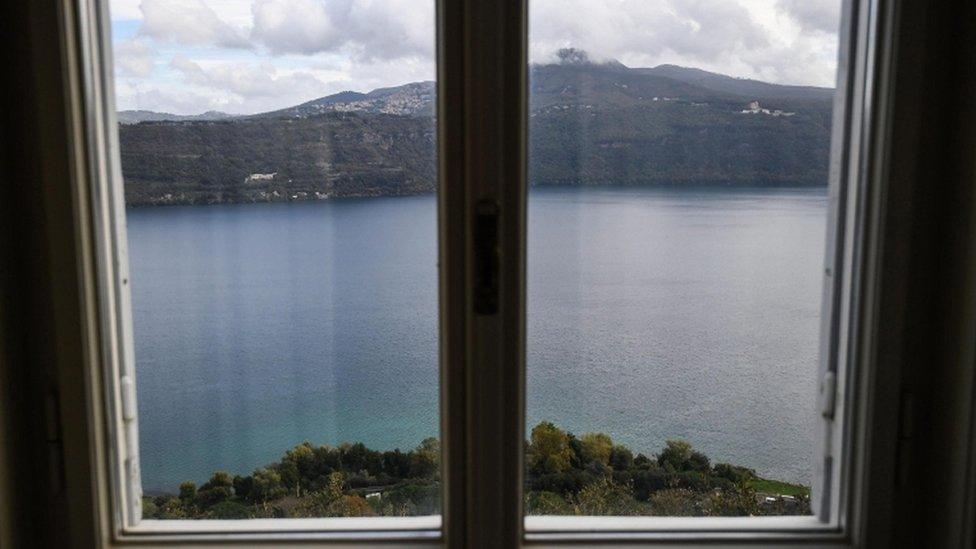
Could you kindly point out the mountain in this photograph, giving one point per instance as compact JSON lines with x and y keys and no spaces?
{"x":134,"y":117}
{"x":738,"y":86}
{"x":594,"y":124}
{"x":590,"y":124}
{"x":414,"y":99}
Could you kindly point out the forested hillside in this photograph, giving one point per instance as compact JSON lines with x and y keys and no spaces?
{"x":260,"y":160}
{"x":590,"y":124}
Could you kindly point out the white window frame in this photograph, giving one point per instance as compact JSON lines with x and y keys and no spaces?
{"x":855,"y":208}
{"x":482,"y":356}
{"x":115,"y":374}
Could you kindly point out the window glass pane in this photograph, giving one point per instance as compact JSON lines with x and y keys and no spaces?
{"x":279,"y":166}
{"x":677,"y":221}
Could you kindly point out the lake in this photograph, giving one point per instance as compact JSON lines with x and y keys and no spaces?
{"x":652,"y":314}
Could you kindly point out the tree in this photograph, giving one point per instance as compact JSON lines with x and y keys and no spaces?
{"x":188,"y":492}
{"x":425,"y":459}
{"x":358,"y":458}
{"x":644,"y":462}
{"x":242,"y":487}
{"x":675,"y":455}
{"x":396,"y":464}
{"x":219,"y":488}
{"x":621,"y":458}
{"x":698,"y":462}
{"x":549,"y":450}
{"x":645,"y":482}
{"x":334,"y":487}
{"x":596,"y":447}
{"x":297,"y":466}
{"x":266,"y":485}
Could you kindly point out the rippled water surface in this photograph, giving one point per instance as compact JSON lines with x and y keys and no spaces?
{"x":653,"y":314}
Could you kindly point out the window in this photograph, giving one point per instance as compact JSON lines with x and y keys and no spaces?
{"x":677,"y":221}
{"x":276,"y":234}
{"x":280,"y":229}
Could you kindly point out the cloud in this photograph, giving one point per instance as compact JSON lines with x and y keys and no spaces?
{"x":253,"y":55}
{"x":363,"y":29}
{"x":295,"y":26}
{"x":187,"y":86}
{"x":614,"y":28}
{"x":261,"y":85}
{"x":392,"y":29}
{"x":749,"y":38}
{"x":125,"y":9}
{"x":133,"y":58}
{"x":172,"y":99}
{"x":189,"y":22}
{"x":813,"y":15}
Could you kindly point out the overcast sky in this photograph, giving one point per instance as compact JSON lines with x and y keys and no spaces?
{"x":246,"y":56}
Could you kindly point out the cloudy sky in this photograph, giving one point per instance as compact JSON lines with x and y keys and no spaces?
{"x":246,"y":56}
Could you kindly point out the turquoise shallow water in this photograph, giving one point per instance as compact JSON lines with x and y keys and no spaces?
{"x":653,"y":314}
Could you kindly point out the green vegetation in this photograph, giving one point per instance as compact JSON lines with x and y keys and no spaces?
{"x":777,"y":487}
{"x":566,"y":475}
{"x":590,"y":475}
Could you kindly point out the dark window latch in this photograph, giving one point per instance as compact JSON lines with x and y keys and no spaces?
{"x":486,"y":257}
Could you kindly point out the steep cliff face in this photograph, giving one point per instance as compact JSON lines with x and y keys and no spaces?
{"x":260,"y":160}
{"x":590,"y":124}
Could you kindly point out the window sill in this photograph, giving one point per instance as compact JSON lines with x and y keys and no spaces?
{"x":740,"y":530}
{"x":407,"y":529}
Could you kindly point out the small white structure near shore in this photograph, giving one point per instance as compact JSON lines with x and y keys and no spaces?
{"x":260,"y":177}
{"x":755,"y":108}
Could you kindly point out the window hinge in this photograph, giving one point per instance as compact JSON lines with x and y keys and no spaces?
{"x":130,"y":427}
{"x":128,"y":399}
{"x":827,"y":404}
{"x":828,"y":394}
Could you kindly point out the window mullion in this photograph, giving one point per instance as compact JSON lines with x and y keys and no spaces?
{"x":482,"y":106}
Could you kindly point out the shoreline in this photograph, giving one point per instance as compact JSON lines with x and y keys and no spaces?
{"x":313,"y":198}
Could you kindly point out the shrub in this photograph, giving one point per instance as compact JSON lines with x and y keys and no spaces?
{"x":227,"y":510}
{"x":732,"y":503}
{"x":547,"y":503}
{"x":674,"y":502}
{"x":605,"y":497}
{"x":734,"y":473}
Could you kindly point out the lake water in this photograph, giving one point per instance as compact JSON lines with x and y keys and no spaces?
{"x":653,"y":314}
